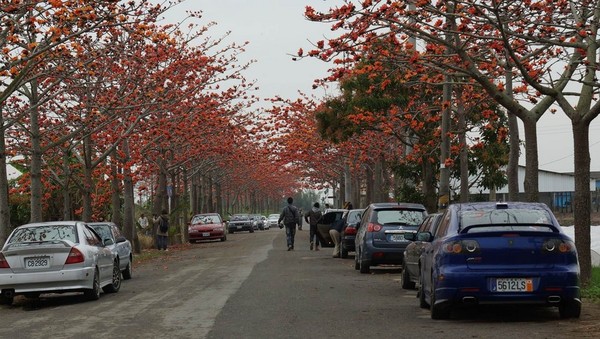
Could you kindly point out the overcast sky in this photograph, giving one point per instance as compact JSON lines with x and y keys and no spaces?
{"x":277,"y":28}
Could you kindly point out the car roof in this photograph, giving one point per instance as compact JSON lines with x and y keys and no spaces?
{"x":52,"y":223}
{"x":410,"y":205}
{"x":497,"y":205}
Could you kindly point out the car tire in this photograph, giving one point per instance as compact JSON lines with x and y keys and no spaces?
{"x":252,"y":231}
{"x":439,"y":311}
{"x":94,"y":292}
{"x":407,"y":284}
{"x":223,"y":239}
{"x":365,"y":266}
{"x":356,"y":263}
{"x":230,"y":231}
{"x":128,"y":271}
{"x":569,"y":309}
{"x":4,"y":300}
{"x":421,"y":294}
{"x":115,"y":285}
{"x":343,"y":252}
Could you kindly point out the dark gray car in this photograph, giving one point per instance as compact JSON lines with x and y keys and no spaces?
{"x":380,"y":236}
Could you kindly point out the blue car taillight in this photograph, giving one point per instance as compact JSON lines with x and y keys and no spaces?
{"x":461,"y":247}
{"x":558,"y":246}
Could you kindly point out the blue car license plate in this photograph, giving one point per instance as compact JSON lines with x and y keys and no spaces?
{"x":513,"y":285}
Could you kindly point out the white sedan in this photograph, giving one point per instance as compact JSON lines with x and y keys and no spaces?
{"x":56,"y":257}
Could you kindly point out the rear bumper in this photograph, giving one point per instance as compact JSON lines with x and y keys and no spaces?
{"x":59,"y":281}
{"x":549,"y":287}
{"x":384,"y":255}
{"x":200,"y":236}
{"x":240,"y":228}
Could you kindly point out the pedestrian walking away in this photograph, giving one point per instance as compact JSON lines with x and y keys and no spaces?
{"x":312,"y":218}
{"x":290,"y":217}
{"x":162,"y":231}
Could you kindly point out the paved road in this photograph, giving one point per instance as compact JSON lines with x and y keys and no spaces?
{"x":251,"y":287}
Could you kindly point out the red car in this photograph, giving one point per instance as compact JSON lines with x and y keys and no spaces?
{"x":207,"y":226}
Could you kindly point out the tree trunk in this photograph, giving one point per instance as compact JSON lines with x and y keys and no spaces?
{"x":429,"y":186}
{"x":66,"y":192}
{"x":5,"y":225}
{"x":348,"y":189}
{"x":88,"y":183}
{"x":444,"y":193}
{"x":36,"y":156}
{"x":581,"y":199}
{"x":115,"y":192}
{"x":464,"y":156}
{"x":369,"y":182}
{"x":512,"y":170}
{"x":532,"y":162}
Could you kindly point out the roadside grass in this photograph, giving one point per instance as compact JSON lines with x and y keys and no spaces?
{"x":592,"y":291}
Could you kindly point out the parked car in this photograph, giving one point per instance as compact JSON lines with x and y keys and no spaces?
{"x":240,"y":222}
{"x":414,"y":250}
{"x":334,"y":215}
{"x":272,"y":220}
{"x":380,"y":235}
{"x":57,"y":257}
{"x":265,"y":222}
{"x":121,"y":247}
{"x":257,"y":222}
{"x":351,"y":221}
{"x":499,"y":253}
{"x":206,"y":226}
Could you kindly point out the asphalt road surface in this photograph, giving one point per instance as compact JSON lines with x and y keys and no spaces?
{"x":251,"y":287}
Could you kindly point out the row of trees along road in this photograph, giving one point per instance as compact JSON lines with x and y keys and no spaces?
{"x":528,"y":56}
{"x":98,"y":99}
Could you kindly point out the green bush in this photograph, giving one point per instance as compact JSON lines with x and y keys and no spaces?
{"x":592,"y":291}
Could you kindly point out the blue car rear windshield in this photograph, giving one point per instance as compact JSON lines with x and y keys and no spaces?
{"x":497,"y":218}
{"x":44,"y":233}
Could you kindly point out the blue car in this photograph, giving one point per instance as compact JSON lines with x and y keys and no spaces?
{"x":499,"y":253}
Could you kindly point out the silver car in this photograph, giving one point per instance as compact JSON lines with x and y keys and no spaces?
{"x":57,"y":257}
{"x":121,"y":247}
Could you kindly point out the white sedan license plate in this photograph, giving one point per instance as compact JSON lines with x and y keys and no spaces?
{"x":37,"y":262}
{"x":514,"y":285}
{"x":206,"y":234}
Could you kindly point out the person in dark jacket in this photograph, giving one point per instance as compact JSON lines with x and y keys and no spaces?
{"x":312,"y":217}
{"x":290,"y":218}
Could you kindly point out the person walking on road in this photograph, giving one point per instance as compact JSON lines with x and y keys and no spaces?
{"x":312,"y":217}
{"x":162,"y":231}
{"x":290,"y":218}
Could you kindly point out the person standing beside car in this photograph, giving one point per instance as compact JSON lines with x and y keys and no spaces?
{"x":290,"y":218}
{"x":335,"y":231}
{"x":312,"y":217}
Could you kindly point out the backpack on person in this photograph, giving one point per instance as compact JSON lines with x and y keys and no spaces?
{"x":163,"y":224}
{"x":290,"y":215}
